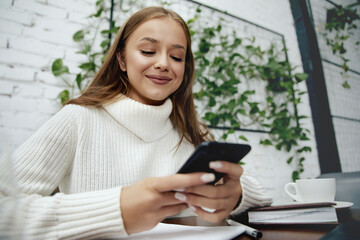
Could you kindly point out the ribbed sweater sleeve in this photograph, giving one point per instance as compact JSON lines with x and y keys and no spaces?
{"x":37,"y":167}
{"x":253,"y":194}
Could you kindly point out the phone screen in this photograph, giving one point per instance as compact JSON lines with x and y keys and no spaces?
{"x":212,"y":151}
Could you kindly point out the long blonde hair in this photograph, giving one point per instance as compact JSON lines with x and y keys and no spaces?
{"x":111,"y":81}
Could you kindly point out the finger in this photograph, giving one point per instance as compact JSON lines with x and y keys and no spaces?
{"x":227,"y":188}
{"x":196,"y":200}
{"x":210,"y":191}
{"x":214,"y":217}
{"x":178,"y":181}
{"x":168,"y":199}
{"x":171,"y":210}
{"x":232,"y":170}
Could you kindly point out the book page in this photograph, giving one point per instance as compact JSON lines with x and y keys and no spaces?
{"x":182,"y":232}
{"x":306,"y":215}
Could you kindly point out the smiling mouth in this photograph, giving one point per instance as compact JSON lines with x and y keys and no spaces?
{"x":160,"y":80}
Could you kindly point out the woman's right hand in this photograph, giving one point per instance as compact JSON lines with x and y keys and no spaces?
{"x":147,"y":202}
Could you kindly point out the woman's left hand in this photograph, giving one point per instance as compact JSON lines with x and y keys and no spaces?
{"x":222,"y":197}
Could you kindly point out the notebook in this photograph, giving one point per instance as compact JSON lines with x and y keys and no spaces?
{"x":306,"y":213}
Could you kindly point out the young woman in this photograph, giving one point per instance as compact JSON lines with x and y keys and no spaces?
{"x":114,"y":150}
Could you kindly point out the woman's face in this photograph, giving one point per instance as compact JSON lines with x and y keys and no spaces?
{"x":154,"y":59}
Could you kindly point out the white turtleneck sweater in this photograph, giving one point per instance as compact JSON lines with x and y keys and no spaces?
{"x":90,"y":153}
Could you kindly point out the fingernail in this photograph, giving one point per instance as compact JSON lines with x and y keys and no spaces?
{"x":210,"y":210}
{"x":180,"y":196}
{"x":192,"y":208}
{"x":179,"y":190}
{"x":215,"y":165}
{"x":208,"y":177}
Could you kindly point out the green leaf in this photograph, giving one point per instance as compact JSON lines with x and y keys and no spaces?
{"x":301,"y":76}
{"x":98,"y":13}
{"x":212,"y":102}
{"x":279,"y":146}
{"x":303,"y":137}
{"x":78,"y":36}
{"x":302,"y":117}
{"x":288,"y":147}
{"x":212,"y":118}
{"x":241,"y":111}
{"x":104,"y":44}
{"x":295,"y":175}
{"x":242,"y":137}
{"x":266,"y":142}
{"x":236,"y":55}
{"x":58,"y":68}
{"x":57,"y":64}
{"x":112,"y":30}
{"x":78,"y":80}
{"x":64,"y":96}
{"x":89,"y":66}
{"x":95,"y":54}
{"x":98,"y":2}
{"x":346,"y":85}
{"x":304,"y":149}
{"x":86,"y":50}
{"x":231,"y":130}
{"x":254,"y":108}
{"x":289,"y":160}
{"x":103,"y":58}
{"x":218,"y":29}
{"x":204,"y":46}
{"x":190,"y":21}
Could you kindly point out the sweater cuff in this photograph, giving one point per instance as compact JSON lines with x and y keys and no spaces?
{"x":94,"y":214}
{"x":253,"y":195}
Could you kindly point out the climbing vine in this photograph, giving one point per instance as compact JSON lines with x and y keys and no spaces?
{"x":340,"y":23}
{"x":229,"y":70}
{"x":94,"y":55}
{"x":228,"y":82}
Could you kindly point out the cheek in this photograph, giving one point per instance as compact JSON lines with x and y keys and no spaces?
{"x":138,"y":61}
{"x":179,"y":70}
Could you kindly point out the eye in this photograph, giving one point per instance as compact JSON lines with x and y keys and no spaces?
{"x":177,"y":59}
{"x":147,"y":52}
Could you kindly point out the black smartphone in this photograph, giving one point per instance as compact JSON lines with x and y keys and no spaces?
{"x":211,"y":151}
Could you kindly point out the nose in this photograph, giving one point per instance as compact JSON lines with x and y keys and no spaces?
{"x":162,"y":63}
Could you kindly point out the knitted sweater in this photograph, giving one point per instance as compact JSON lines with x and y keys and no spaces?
{"x":90,"y":153}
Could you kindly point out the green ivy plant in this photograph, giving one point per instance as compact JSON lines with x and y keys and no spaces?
{"x":227,"y":83}
{"x":341,"y":20}
{"x":227,"y":69}
{"x":85,"y":38}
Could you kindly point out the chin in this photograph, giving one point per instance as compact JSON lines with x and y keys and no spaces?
{"x":158,"y":96}
{"x":152,"y":100}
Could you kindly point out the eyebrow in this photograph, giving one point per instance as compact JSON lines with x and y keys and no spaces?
{"x":153,"y":40}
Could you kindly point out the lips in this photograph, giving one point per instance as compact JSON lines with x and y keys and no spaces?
{"x":158,"y":79}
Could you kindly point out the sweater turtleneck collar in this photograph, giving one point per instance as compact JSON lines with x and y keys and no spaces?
{"x":147,"y":122}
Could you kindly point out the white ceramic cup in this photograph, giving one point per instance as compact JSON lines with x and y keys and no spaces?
{"x":312,"y":190}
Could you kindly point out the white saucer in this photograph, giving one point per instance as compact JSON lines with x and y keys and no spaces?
{"x":339,"y":204}
{"x":343,"y":204}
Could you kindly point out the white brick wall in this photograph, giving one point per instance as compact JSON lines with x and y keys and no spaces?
{"x":35,"y":32}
